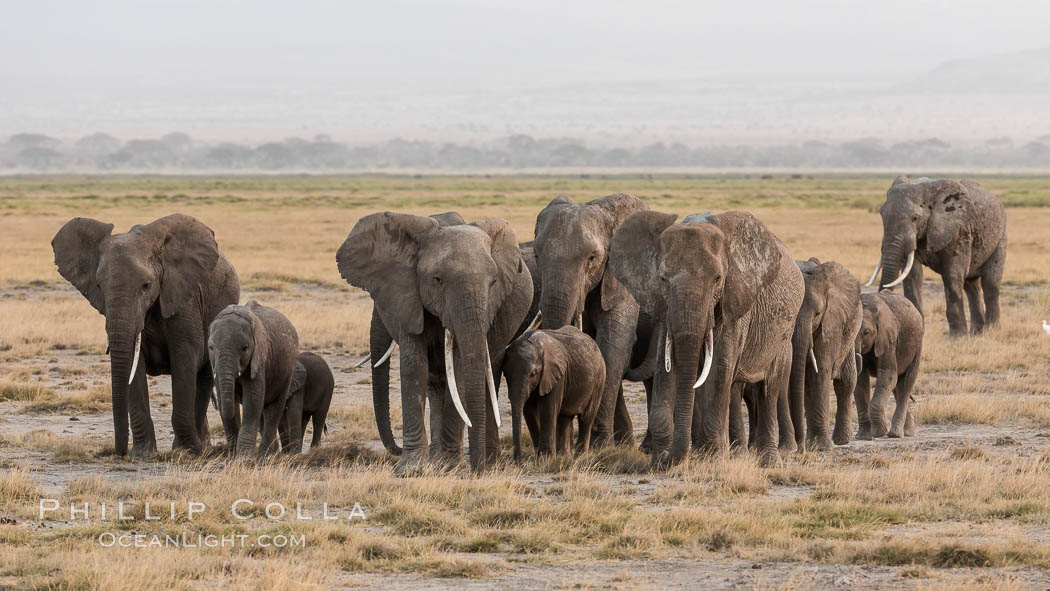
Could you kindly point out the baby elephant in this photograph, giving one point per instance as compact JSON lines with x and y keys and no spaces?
{"x":890,"y":343}
{"x":554,"y":376}
{"x":252,"y":350}
{"x":310,"y":395}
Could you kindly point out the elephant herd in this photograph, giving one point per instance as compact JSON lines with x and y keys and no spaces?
{"x":710,"y":313}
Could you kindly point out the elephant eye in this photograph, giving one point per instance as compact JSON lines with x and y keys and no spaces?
{"x":244,"y":347}
{"x":145,"y":286}
{"x":437,"y":280}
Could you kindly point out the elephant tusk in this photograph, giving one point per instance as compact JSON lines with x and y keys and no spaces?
{"x":386,"y":355}
{"x":875,"y":273}
{"x":536,"y":321}
{"x":667,"y":351}
{"x":135,"y":361}
{"x":579,"y":321}
{"x":709,"y":355}
{"x":904,"y":274}
{"x":450,"y":377}
{"x":491,"y":386}
{"x":813,"y":358}
{"x":363,"y":361}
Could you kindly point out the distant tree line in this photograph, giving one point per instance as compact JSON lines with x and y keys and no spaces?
{"x":178,"y":151}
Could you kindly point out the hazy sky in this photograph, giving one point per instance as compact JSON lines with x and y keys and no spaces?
{"x":387,"y":42}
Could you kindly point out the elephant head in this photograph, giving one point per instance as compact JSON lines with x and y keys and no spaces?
{"x":572,"y":249}
{"x":414,"y":268}
{"x":153,"y":267}
{"x":533,"y":362}
{"x":923,"y":214}
{"x":699,"y":275}
{"x":825,"y":330}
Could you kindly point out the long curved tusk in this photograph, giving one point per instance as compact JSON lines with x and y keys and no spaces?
{"x":667,"y":351}
{"x":709,"y":355}
{"x":363,"y":361}
{"x":536,"y":321}
{"x":904,"y":274}
{"x":386,"y":355}
{"x":135,"y":362}
{"x":813,"y":358}
{"x":450,"y":377}
{"x":491,"y":386}
{"x":875,"y":274}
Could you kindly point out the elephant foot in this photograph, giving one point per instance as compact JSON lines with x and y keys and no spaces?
{"x":909,"y":426}
{"x":646,"y":445}
{"x":820,"y":443}
{"x":896,"y":432}
{"x":662,"y":460}
{"x":144,"y":451}
{"x":769,"y":458}
{"x":840,"y":437}
{"x":411,"y":465}
{"x":788,"y":446}
{"x":600,"y":440}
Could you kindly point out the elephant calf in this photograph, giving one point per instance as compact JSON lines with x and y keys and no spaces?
{"x":553,"y":377}
{"x":253,"y":352}
{"x":309,"y":396}
{"x":890,"y":344}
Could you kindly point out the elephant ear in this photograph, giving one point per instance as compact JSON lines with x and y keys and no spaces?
{"x":555,"y":362}
{"x":505,"y":253}
{"x":634,"y":256}
{"x":188,"y":254}
{"x":842,"y":309}
{"x":754,"y":257}
{"x":951,"y":209}
{"x":298,"y":378}
{"x":886,"y":329}
{"x":261,"y":340}
{"x":380,"y":256}
{"x":449,"y":218}
{"x":76,"y":254}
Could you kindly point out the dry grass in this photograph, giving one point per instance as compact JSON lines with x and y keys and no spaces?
{"x":965,"y":505}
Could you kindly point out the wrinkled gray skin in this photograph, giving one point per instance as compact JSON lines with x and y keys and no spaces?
{"x":828,"y":324}
{"x":310,"y":396}
{"x":956,"y":228}
{"x":553,"y":377}
{"x":890,"y":344}
{"x":425,"y":278}
{"x":725,"y":273}
{"x":165,"y":281}
{"x":572,"y":250}
{"x":379,"y":341}
{"x":253,"y":350}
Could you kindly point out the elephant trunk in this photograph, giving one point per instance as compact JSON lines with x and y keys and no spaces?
{"x":122,"y":350}
{"x":225,"y":381}
{"x":898,"y":253}
{"x":561,"y":301}
{"x":688,"y":326}
{"x":469,"y":331}
{"x":515,"y":388}
{"x":801,"y":345}
{"x":380,"y":340}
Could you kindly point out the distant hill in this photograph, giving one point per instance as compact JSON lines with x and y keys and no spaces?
{"x":1023,"y":72}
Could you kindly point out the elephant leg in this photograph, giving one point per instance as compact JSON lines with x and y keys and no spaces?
{"x":144,"y":436}
{"x":844,"y":386}
{"x":954,"y":307}
{"x":531,"y":413}
{"x":184,"y":399}
{"x":765,"y":438}
{"x":991,"y":277}
{"x":451,"y":429}
{"x":903,"y":394}
{"x":862,"y":396}
{"x":205,"y":387}
{"x":913,"y":287}
{"x":583,"y":436}
{"x":492,"y":443}
{"x":972,"y":287}
{"x":414,"y":373}
{"x":283,"y":433}
{"x":436,"y":403}
{"x":320,"y":422}
{"x":785,"y":426}
{"x":548,"y":424}
{"x":885,"y":384}
{"x":564,"y":442}
{"x":293,"y":416}
{"x":647,"y":440}
{"x":909,"y":424}
{"x":270,"y":419}
{"x":698,"y":420}
{"x":738,"y":433}
{"x":615,"y":337}
{"x":776,"y":389}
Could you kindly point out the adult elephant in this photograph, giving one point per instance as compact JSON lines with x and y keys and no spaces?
{"x":726,"y":286}
{"x":159,"y":286}
{"x":451,"y":297}
{"x":823,"y":355}
{"x":956,"y":228}
{"x":572,"y":251}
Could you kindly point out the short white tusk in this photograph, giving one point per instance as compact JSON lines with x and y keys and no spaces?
{"x":363,"y":361}
{"x":813,"y":358}
{"x":667,"y":351}
{"x":536,"y":321}
{"x":579,"y":321}
{"x":386,"y":355}
{"x":135,"y":361}
{"x":450,"y":377}
{"x":709,"y":354}
{"x":491,"y":385}
{"x":878,"y":267}
{"x":904,"y":274}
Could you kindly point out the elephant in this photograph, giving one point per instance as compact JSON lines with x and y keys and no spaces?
{"x":452,"y":298}
{"x":159,"y":286}
{"x":308,"y":402}
{"x":890,"y":344}
{"x":725,"y":285}
{"x":956,"y":228}
{"x":823,"y":356}
{"x":253,"y":350}
{"x":572,"y":250}
{"x":553,"y":377}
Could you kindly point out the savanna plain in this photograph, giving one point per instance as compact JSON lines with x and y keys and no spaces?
{"x":963,"y":505}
